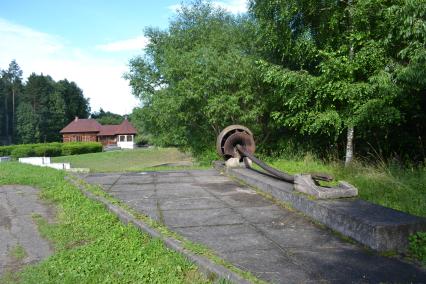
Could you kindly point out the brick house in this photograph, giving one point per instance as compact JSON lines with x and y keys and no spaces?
{"x":89,"y":130}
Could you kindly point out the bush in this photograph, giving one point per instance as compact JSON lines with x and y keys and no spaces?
{"x":20,"y":152}
{"x":6,"y":150}
{"x":206,"y":157}
{"x":81,"y":148}
{"x":418,"y":246}
{"x":50,"y":149}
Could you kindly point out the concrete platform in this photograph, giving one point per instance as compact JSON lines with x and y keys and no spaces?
{"x":375,"y":226}
{"x":275,"y":244}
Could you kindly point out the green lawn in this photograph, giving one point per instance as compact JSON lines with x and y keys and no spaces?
{"x":91,"y":244}
{"x":127,"y":160}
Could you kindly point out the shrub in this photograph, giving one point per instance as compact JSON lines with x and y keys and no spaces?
{"x":6,"y":150}
{"x":81,"y":148}
{"x":22,"y":151}
{"x":417,"y":246}
{"x":48,"y":150}
{"x":206,"y":157}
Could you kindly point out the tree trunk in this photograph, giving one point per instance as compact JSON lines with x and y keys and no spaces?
{"x":349,"y":146}
{"x":350,"y":136}
{"x":6,"y":112}
{"x":13,"y":114}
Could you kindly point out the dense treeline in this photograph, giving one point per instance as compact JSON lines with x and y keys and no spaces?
{"x":35,"y":111}
{"x":107,"y":117}
{"x":303,"y":75}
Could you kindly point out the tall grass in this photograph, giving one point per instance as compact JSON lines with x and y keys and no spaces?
{"x":390,"y":185}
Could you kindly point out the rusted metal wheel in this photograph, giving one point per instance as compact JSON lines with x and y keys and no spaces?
{"x":232,"y":136}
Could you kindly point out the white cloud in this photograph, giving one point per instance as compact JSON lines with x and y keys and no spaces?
{"x":174,"y":7}
{"x":136,"y":43}
{"x":100,"y":78}
{"x":232,"y":6}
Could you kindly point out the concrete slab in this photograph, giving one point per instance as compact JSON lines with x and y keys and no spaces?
{"x":134,"y":179}
{"x":191,"y":203}
{"x":17,"y":228}
{"x":227,"y":238}
{"x":241,"y":199}
{"x":183,"y":192}
{"x":133,"y":195}
{"x":130,"y":187}
{"x":271,"y":214}
{"x":197,"y":217}
{"x":102,"y":179}
{"x":275,"y":244}
{"x":375,"y":226}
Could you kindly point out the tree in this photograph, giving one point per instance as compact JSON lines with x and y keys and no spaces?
{"x":107,"y":117}
{"x":197,"y":77}
{"x":334,"y":65}
{"x":12,"y":78}
{"x":75,"y":102}
{"x":27,"y":124}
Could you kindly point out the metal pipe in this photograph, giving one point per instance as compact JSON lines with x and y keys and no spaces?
{"x":279,"y":174}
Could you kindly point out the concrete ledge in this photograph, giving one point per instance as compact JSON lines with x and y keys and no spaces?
{"x":206,"y":266}
{"x":44,"y":162}
{"x":375,"y":226}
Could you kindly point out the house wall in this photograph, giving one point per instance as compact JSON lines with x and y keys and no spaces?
{"x":126,"y":141}
{"x":79,"y":137}
{"x":107,"y":140}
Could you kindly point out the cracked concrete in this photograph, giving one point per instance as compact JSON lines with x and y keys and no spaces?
{"x":18,"y":204}
{"x":253,"y":233}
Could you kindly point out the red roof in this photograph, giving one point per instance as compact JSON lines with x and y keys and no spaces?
{"x":108,"y":130}
{"x":125,"y":128}
{"x":91,"y":125}
{"x":82,"y":125}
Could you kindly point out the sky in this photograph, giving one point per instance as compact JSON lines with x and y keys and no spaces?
{"x":89,"y":42}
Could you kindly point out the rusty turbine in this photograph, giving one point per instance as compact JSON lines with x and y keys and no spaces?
{"x":236,"y":141}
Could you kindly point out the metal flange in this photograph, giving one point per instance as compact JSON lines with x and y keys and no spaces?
{"x":232,"y":136}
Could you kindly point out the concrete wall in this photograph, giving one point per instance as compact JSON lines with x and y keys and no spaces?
{"x":44,"y":162}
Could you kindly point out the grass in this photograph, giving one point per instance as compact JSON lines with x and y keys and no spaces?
{"x":92,"y":245}
{"x":128,"y":160}
{"x":18,"y":252}
{"x":400,"y":189}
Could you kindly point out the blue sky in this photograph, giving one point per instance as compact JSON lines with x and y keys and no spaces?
{"x":89,"y":42}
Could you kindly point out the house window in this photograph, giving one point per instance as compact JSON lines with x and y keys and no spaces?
{"x":129,"y":138}
{"x":78,"y":138}
{"x":122,"y":138}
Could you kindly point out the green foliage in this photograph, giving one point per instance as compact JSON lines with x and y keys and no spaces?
{"x":23,"y":151}
{"x":197,"y":77}
{"x":206,"y":157}
{"x":18,"y":252}
{"x":107,"y":117}
{"x":306,"y":69}
{"x":417,"y":246}
{"x":35,"y":111}
{"x":385,"y":184}
{"x":75,"y":148}
{"x":6,"y":150}
{"x":50,"y":149}
{"x":91,"y":244}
